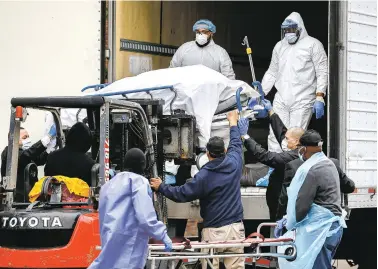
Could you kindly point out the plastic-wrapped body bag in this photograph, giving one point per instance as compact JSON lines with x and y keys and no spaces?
{"x":312,"y":232}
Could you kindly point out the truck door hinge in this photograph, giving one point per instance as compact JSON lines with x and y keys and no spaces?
{"x":107,"y":53}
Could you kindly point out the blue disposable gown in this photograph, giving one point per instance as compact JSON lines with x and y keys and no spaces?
{"x":127,"y":220}
{"x":311,"y":232}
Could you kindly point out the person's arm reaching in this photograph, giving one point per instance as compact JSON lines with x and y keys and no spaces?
{"x":319,"y":58}
{"x":226,"y":65}
{"x":270,"y":76}
{"x":271,"y":159}
{"x":278,"y":127}
{"x":190,"y":191}
{"x":144,"y":210}
{"x":306,"y":196}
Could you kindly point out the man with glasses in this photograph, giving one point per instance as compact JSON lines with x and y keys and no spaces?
{"x":271,"y":158}
{"x":204,"y":51}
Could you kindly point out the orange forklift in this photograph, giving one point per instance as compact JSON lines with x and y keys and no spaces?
{"x":49,"y":232}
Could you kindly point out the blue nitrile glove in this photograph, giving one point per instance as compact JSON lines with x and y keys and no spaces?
{"x":252,"y":102}
{"x":279,"y":228}
{"x":318,"y":109}
{"x":112,"y":173}
{"x":267,"y":104}
{"x":52,"y":132}
{"x":261,"y":113}
{"x":168,"y":243}
{"x":264,"y":181}
{"x":243,"y":125}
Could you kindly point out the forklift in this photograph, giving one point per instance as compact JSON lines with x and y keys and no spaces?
{"x":50,"y":233}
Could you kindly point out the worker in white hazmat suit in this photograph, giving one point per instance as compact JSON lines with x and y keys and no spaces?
{"x":299,"y":71}
{"x":204,"y":51}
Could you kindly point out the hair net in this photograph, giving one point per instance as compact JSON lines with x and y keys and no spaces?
{"x":135,"y":161}
{"x":204,"y":24}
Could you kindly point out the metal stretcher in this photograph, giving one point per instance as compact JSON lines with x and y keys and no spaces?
{"x":190,"y":250}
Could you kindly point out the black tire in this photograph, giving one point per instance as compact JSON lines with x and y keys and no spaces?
{"x":289,"y":251}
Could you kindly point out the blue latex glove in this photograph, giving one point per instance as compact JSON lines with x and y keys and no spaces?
{"x":52,"y":132}
{"x":267,"y":104}
{"x":280,"y":225}
{"x":252,"y":102}
{"x":318,"y":109}
{"x":243,"y":125}
{"x":112,"y":173}
{"x":261,"y":113}
{"x":168,"y":243}
{"x":264,"y":181}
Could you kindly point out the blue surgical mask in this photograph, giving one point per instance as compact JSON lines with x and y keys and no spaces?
{"x":291,"y":37}
{"x":301,"y":155}
{"x":26,"y":143}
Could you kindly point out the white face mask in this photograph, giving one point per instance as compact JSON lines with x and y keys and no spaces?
{"x":26,"y":143}
{"x":201,"y":39}
{"x":291,"y":37}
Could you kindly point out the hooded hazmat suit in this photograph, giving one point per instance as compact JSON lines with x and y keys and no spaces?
{"x":127,"y":220}
{"x":298,"y":71}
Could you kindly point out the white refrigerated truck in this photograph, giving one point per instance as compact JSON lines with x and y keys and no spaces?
{"x":57,"y":48}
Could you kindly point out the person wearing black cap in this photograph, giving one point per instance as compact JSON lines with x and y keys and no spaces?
{"x":314,"y":206}
{"x":128,"y":218}
{"x":217,"y":186}
{"x":72,"y":160}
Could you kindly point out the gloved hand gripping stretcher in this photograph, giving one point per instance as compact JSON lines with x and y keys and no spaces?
{"x":191,"y":250}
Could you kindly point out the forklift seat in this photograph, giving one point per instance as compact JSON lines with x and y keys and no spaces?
{"x":51,"y":190}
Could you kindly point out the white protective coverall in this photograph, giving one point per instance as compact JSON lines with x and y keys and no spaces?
{"x":212,"y":56}
{"x":298,"y":72}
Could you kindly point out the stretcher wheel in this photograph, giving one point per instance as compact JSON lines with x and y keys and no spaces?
{"x":290,"y":251}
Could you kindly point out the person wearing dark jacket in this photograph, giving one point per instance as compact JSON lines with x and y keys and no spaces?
{"x":28,"y":153}
{"x":217,"y":186}
{"x":72,"y":160}
{"x":346,"y":184}
{"x":273,"y":159}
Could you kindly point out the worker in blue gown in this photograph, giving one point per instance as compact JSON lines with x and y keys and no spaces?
{"x":128,"y":218}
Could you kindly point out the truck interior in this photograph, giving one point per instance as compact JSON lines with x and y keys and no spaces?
{"x":170,"y":23}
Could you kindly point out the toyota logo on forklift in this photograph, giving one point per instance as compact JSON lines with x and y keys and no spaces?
{"x":32,"y":222}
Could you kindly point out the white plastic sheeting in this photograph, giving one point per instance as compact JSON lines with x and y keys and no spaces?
{"x":199,"y":91}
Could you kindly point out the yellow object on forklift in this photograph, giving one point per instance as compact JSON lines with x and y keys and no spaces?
{"x":249,"y":51}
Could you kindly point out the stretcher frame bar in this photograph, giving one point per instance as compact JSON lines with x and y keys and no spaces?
{"x":154,"y":255}
{"x":221,"y":245}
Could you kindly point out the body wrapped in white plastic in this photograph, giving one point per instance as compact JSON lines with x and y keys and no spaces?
{"x":199,"y":92}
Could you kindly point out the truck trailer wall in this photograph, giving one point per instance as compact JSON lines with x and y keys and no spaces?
{"x":138,"y":21}
{"x":360,"y":137}
{"x":47,"y":48}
